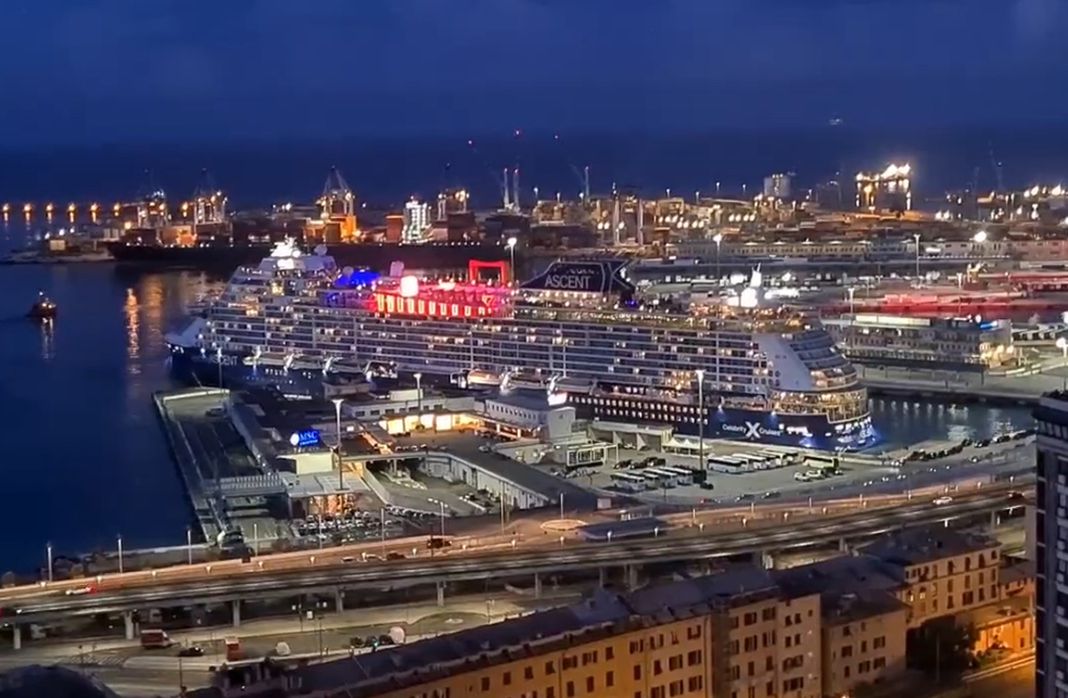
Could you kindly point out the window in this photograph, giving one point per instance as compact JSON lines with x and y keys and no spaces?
{"x":550,"y":668}
{"x":751,"y":668}
{"x":751,"y":643}
{"x":879,"y":662}
{"x":507,"y":678}
{"x":657,"y":668}
{"x":570,"y":689}
{"x":769,"y":688}
{"x":749,"y":618}
{"x":863,"y":646}
{"x":609,"y":679}
{"x":736,"y":672}
{"x":674,"y":663}
{"x":847,"y":651}
{"x":693,"y":632}
{"x":528,"y":673}
{"x":768,"y":613}
{"x":485,"y":683}
{"x":550,"y":692}
{"x":695,"y":683}
{"x":637,"y":672}
{"x":609,"y":653}
{"x":693,"y":657}
{"x":769,"y":664}
{"x":878,"y":643}
{"x":570,"y":662}
{"x":589,"y":684}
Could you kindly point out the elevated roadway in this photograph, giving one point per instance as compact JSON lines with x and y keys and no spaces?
{"x":252,"y":582}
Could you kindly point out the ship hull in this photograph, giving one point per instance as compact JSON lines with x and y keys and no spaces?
{"x":738,"y":424}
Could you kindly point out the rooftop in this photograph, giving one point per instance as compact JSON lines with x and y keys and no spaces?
{"x":603,"y":614}
{"x":840,"y":608}
{"x":919,"y":545}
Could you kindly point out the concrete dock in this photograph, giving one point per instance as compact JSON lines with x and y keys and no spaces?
{"x":1018,"y":390}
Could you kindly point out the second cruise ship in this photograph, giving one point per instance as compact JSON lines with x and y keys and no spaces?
{"x":580,"y":330}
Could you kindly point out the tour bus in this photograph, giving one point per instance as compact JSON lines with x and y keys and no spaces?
{"x":780,"y":457}
{"x":725,"y":464}
{"x":683,"y":476}
{"x":655,"y":479}
{"x":667,"y":478}
{"x":628,"y":482}
{"x":753,"y":461}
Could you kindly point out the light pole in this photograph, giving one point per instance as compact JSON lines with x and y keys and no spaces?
{"x":189,"y":544}
{"x":1062,"y":344}
{"x":49,"y":550}
{"x":218,"y":360}
{"x":340,"y":470}
{"x":120,"y":553}
{"x":701,"y":417}
{"x":561,"y":506}
{"x":419,"y":399}
{"x":852,"y":308}
{"x":717,"y":238}
{"x":441,"y":509}
{"x":916,"y":237}
{"x":511,"y":243}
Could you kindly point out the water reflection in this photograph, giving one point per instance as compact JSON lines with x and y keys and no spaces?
{"x":133,"y":329}
{"x":908,"y":422}
{"x":48,"y":339}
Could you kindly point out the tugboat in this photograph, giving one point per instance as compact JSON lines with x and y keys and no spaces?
{"x":43,"y":308}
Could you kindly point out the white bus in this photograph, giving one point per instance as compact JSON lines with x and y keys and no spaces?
{"x":726,"y":464}
{"x":683,"y":476}
{"x":661,"y":477}
{"x":628,"y":482}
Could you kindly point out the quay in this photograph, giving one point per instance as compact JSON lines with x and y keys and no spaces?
{"x":210,"y":519}
{"x":1006,"y":390}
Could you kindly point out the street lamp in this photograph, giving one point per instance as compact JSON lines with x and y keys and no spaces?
{"x":189,"y":544}
{"x":120,"y":553}
{"x":340,"y":470}
{"x":49,"y":549}
{"x":1062,"y":344}
{"x":701,"y":417}
{"x":717,"y":238}
{"x":852,"y":308}
{"x":419,"y":398}
{"x":511,"y":243}
{"x":916,"y":237}
{"x":441,"y":509}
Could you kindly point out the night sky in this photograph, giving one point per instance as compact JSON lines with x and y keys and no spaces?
{"x":204,"y":71}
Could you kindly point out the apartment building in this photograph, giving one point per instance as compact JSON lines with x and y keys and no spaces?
{"x":764,"y":640}
{"x":942,"y":571}
{"x":824,"y":629}
{"x":863,"y":623}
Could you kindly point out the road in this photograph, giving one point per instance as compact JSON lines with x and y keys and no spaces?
{"x":201,"y":584}
{"x":131,"y":670}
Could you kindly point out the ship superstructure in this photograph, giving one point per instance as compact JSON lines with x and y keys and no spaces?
{"x":580,"y":329}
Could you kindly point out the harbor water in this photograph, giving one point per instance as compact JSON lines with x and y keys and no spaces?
{"x":85,"y":460}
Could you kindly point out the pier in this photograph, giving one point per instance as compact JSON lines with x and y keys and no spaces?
{"x":210,"y":518}
{"x":1008,"y":390}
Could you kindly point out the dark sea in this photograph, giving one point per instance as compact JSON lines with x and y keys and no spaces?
{"x":84,"y":459}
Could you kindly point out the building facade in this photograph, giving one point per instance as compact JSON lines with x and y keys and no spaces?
{"x":1051,"y":553}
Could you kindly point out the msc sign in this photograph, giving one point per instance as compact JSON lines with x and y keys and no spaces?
{"x":305,"y":437}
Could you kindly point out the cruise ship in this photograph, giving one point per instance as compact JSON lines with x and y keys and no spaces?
{"x":580,"y":331}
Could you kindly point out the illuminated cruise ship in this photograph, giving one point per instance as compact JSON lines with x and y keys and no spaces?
{"x":580,"y":331}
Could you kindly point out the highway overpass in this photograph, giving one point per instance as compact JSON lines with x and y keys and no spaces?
{"x":251,"y":582}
